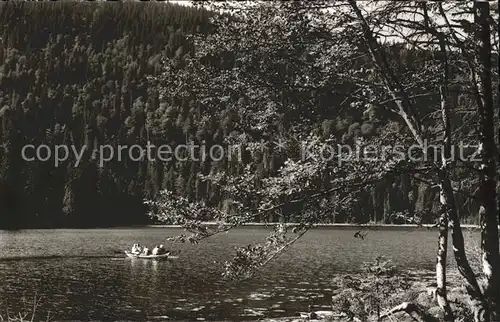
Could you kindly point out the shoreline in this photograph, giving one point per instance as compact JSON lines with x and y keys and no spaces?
{"x":334,"y":225}
{"x":262,"y":225}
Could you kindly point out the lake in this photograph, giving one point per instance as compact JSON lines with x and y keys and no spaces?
{"x":81,"y":274}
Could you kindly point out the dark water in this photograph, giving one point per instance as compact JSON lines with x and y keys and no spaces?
{"x":80,"y":274}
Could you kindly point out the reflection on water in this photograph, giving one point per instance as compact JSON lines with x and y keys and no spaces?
{"x":84,"y":275}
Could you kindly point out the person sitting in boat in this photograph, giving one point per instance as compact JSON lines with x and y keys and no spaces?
{"x":161,"y":250}
{"x":135,"y":249}
{"x":155,"y":250}
{"x":146,"y":251}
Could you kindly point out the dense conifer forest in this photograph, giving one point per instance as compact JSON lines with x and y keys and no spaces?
{"x":87,"y":74}
{"x":76,"y":73}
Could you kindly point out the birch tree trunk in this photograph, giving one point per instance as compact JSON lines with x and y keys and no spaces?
{"x":447,"y":199}
{"x":441,"y":291}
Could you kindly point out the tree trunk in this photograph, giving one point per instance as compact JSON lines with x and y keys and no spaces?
{"x":441,"y":292}
{"x":446,"y":196}
{"x":498,"y":87}
{"x":487,"y":190}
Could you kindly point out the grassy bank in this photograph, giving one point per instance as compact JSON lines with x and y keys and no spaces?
{"x":371,"y":297}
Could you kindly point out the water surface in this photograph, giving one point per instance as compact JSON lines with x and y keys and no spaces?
{"x":82,"y":274}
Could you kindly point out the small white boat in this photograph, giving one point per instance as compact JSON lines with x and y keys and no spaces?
{"x":142,"y":256}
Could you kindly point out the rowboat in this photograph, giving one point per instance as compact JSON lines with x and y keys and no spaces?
{"x":142,"y":256}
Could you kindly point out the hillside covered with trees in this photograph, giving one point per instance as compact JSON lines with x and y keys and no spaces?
{"x":75,"y":73}
{"x":131,"y":73}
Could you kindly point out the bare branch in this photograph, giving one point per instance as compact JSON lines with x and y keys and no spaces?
{"x":411,"y":309}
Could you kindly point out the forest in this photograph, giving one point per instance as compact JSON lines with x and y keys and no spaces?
{"x":120,"y":73}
